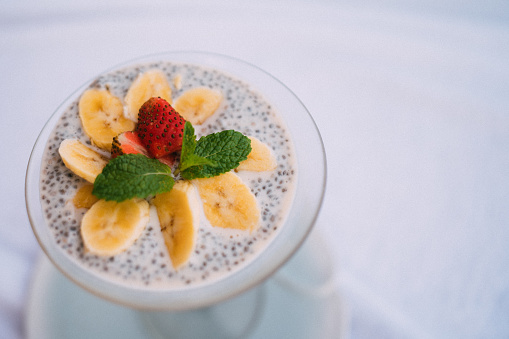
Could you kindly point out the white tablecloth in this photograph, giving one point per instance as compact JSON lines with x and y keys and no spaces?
{"x":412,"y":101}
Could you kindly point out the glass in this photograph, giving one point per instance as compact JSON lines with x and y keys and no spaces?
{"x":310,"y":187}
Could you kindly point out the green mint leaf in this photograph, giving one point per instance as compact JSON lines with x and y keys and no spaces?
{"x":226,"y":149}
{"x":132,"y":175}
{"x":196,"y":160}
{"x":188,"y":145}
{"x":187,"y":156}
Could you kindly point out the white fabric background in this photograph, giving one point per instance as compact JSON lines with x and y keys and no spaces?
{"x":412,"y":100}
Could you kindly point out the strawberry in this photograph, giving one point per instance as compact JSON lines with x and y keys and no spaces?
{"x":160,"y":128}
{"x":126,"y":143}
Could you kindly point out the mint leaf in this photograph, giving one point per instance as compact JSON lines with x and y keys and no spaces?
{"x":132,"y":175}
{"x":226,"y":149}
{"x":187,"y":156}
{"x":196,"y":160}
{"x":188,"y":144}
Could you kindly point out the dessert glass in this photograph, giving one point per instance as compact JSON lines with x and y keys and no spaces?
{"x":309,"y":192}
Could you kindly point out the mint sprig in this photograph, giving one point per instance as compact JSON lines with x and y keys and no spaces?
{"x":132,"y":175}
{"x":212,"y":154}
{"x":188,"y":158}
{"x":135,"y":175}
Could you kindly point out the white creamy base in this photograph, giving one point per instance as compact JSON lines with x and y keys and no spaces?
{"x":218,"y":251}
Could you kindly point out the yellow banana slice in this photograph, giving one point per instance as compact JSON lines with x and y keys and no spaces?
{"x":152,"y":83}
{"x":102,"y":117}
{"x":259,"y":159}
{"x":109,"y":227}
{"x":178,"y":212}
{"x":228,"y":202}
{"x":84,"y":197}
{"x":177,"y":81}
{"x":81,"y":159}
{"x":197,"y":104}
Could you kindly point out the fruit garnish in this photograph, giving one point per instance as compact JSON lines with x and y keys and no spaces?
{"x":109,"y":227}
{"x":160,"y":128}
{"x":152,"y":83}
{"x":81,"y":159}
{"x":197,"y":104}
{"x":212,"y":154}
{"x":130,"y":143}
{"x":177,"y":81}
{"x":178,"y":212}
{"x":102,"y":117}
{"x":228,"y":202}
{"x":84,"y":197}
{"x":132,"y":175}
{"x":127,"y":143}
{"x":259,"y":159}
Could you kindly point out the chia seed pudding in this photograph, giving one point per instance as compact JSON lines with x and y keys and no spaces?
{"x":218,"y":251}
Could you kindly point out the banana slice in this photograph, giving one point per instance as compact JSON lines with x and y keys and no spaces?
{"x":178,"y":212}
{"x":84,"y":197}
{"x":228,"y":202}
{"x":81,"y":160}
{"x":109,"y":227}
{"x":197,"y":104}
{"x":102,"y":117}
{"x":152,"y":83}
{"x":259,"y":159}
{"x":177,"y":81}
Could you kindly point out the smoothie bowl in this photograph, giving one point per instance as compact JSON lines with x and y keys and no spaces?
{"x":175,"y":181}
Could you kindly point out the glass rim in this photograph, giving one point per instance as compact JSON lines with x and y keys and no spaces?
{"x":305,"y":208}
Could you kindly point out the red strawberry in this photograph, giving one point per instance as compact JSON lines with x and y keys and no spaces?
{"x":126,"y":143}
{"x":160,"y":127}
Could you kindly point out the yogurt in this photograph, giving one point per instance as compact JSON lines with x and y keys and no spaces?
{"x":218,"y":252}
